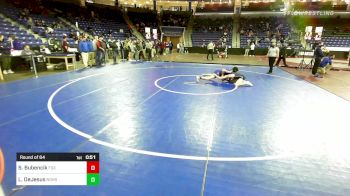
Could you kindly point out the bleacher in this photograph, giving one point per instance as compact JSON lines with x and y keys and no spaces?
{"x":314,"y":5}
{"x":200,"y":38}
{"x":217,"y":7}
{"x":208,"y":29}
{"x":118,"y":29}
{"x":172,"y":31}
{"x":336,"y":41}
{"x":142,"y":18}
{"x":336,"y":31}
{"x":7,"y":29}
{"x":58,"y":33}
{"x":263,"y":6}
{"x":175,"y":18}
{"x":49,"y":21}
{"x":259,"y":29}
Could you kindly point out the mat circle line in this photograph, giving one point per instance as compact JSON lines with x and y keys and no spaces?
{"x":146,"y":152}
{"x":187,"y":93}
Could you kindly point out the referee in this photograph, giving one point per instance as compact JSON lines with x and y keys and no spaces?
{"x":282,"y":54}
{"x":210,"y":49}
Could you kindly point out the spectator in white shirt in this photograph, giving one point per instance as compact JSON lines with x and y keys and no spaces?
{"x":182,"y":47}
{"x":252,"y":49}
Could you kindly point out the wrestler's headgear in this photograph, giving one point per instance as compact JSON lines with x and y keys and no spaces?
{"x":234,"y":69}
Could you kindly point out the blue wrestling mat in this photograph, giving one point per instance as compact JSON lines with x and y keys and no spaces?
{"x":159,"y":132}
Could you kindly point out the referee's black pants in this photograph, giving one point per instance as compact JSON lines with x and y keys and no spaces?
{"x":210,"y":51}
{"x":316,"y":64}
{"x":149,"y":53}
{"x":281,"y":57}
{"x":271,"y":62}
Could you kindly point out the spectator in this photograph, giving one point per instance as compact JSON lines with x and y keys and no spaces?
{"x":30,"y":23}
{"x":247,"y":48}
{"x":100,"y":52}
{"x":222,"y":53}
{"x":149,"y":50}
{"x":71,"y":35}
{"x":91,"y":51}
{"x":84,"y":50}
{"x":170,"y":47}
{"x":44,"y":50}
{"x":94,"y":44}
{"x":132,"y":50}
{"x":115,"y":45}
{"x":318,"y":55}
{"x":162,"y":48}
{"x":94,"y":41}
{"x":203,"y":45}
{"x":48,"y":30}
{"x":65,"y":45}
{"x":27,"y":52}
{"x":325,"y":66}
{"x":252,"y":49}
{"x":182,"y":47}
{"x":2,"y":38}
{"x":6,"y":47}
{"x":141,"y":50}
{"x":43,"y":23}
{"x":126,"y":49}
{"x":15,"y":43}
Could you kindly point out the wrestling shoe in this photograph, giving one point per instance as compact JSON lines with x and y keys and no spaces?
{"x":248,"y":83}
{"x":318,"y":76}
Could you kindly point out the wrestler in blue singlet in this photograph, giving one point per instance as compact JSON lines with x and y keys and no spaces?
{"x":218,"y":72}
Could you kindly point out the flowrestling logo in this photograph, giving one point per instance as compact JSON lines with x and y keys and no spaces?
{"x":309,"y":13}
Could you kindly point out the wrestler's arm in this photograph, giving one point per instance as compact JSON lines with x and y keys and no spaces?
{"x":226,"y":76}
{"x":226,"y":71}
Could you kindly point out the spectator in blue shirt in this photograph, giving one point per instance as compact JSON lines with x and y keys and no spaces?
{"x":325,"y":66}
{"x":16,"y":44}
{"x":84,"y":50}
{"x":90,"y":45}
{"x":326,"y":61}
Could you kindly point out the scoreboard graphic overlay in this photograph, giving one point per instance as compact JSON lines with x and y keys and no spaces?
{"x":58,"y":169}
